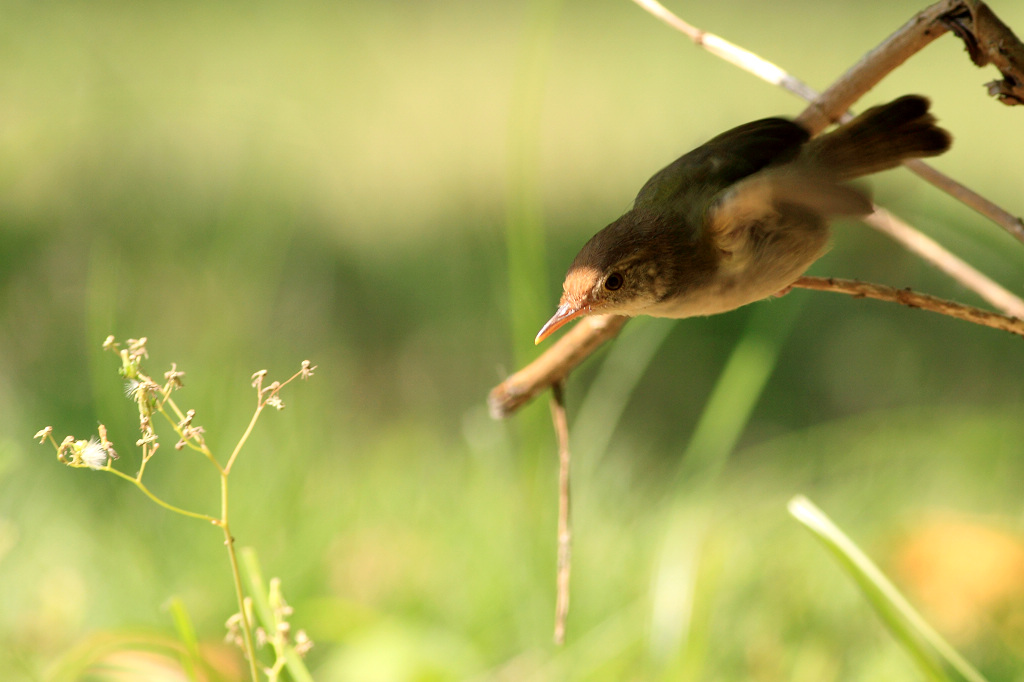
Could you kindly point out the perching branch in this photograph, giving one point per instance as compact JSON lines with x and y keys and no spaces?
{"x":913,"y":299}
{"x":988,"y":41}
{"x":554,"y":364}
{"x":832,"y":106}
{"x":931,"y":251}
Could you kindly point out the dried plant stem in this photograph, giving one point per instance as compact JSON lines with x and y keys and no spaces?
{"x":248,"y":641}
{"x":968,"y":197}
{"x":922,"y":29}
{"x":913,"y":299}
{"x":734,"y":54}
{"x":930,"y":250}
{"x":564,"y":525}
{"x":555,"y":364}
{"x":832,"y":106}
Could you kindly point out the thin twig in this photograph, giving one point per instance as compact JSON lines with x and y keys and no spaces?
{"x":990,"y":41}
{"x":930,"y":250}
{"x":913,"y":299}
{"x":832,"y":106}
{"x":554,"y":364}
{"x":734,"y":54}
{"x":564,"y":525}
{"x":922,"y":29}
{"x":968,"y":197}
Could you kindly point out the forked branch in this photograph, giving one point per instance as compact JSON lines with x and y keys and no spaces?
{"x":988,"y":41}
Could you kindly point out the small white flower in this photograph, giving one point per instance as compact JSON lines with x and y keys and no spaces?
{"x":132,"y":388}
{"x":302,"y":643}
{"x":94,"y":455}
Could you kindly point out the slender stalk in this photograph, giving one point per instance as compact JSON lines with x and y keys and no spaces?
{"x":564,"y":570}
{"x":914,"y":299}
{"x":166,"y":505}
{"x":832,"y":105}
{"x":229,"y":542}
{"x":145,"y":460}
{"x":930,"y":250}
{"x":968,"y":197}
{"x":245,"y":437}
{"x":263,"y":397}
{"x":730,"y":52}
{"x":189,"y":443}
{"x":555,"y":364}
{"x":152,"y":398}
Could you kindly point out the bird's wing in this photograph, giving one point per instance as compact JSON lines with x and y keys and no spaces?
{"x":759,"y":203}
{"x":687,"y":185}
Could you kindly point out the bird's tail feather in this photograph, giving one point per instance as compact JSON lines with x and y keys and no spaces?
{"x":878,"y":139}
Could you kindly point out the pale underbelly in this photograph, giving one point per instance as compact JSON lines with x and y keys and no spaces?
{"x":725,"y":294}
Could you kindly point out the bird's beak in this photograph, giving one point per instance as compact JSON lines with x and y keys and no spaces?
{"x":565,"y":313}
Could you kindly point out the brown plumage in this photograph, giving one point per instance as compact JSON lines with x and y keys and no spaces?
{"x":741,"y":217}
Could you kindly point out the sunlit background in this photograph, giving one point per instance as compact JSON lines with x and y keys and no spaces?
{"x":393,"y":191}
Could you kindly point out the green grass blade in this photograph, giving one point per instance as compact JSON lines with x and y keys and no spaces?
{"x":736,"y":393}
{"x":718,"y":430}
{"x":937,"y":659}
{"x":187,"y":634}
{"x":532,"y":300}
{"x":628,"y":360}
{"x":255,"y":586}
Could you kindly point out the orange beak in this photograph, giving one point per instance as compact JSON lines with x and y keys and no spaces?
{"x":565,"y":313}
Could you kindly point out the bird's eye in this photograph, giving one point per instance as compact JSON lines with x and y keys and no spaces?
{"x":614,"y":281}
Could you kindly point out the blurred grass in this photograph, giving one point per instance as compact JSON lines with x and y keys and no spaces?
{"x":934,"y":656}
{"x":250,"y":186}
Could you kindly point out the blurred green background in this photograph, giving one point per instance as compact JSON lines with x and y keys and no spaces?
{"x":393,"y":191}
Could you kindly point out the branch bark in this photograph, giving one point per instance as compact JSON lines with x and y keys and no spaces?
{"x":564,"y":569}
{"x":830,"y":106}
{"x":913,"y":299}
{"x":990,"y":41}
{"x":927,"y":248}
{"x":554,"y":364}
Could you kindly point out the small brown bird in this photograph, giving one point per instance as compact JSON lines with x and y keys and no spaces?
{"x":741,"y":217}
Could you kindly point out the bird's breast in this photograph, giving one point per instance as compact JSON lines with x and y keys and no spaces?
{"x":729,"y":288}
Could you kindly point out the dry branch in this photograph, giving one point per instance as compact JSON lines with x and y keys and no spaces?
{"x":554,"y":364}
{"x":830,"y":106}
{"x":927,"y":248}
{"x":564,"y":569}
{"x":968,"y":197}
{"x":990,"y":41}
{"x":913,"y":299}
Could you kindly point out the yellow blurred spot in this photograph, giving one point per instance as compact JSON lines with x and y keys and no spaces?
{"x":964,"y":574}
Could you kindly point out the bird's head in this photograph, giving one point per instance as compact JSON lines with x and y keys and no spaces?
{"x":617,"y":272}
